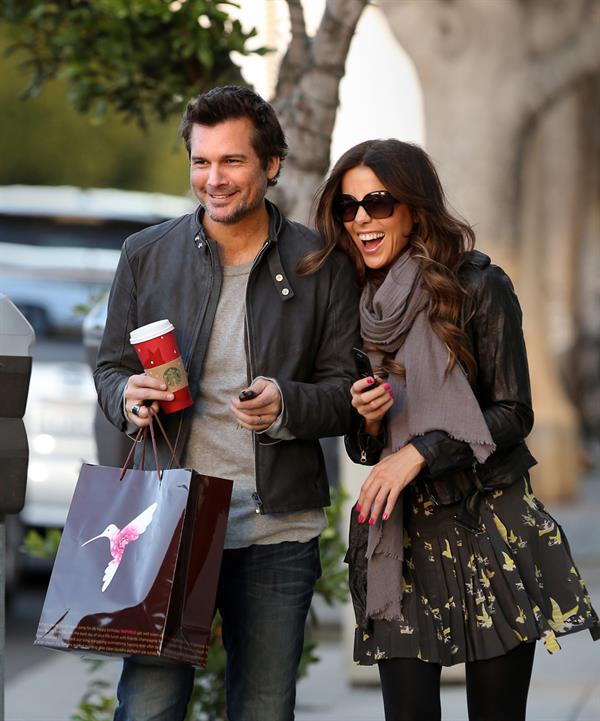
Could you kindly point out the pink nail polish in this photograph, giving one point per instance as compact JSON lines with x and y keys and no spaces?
{"x":370,"y":381}
{"x":385,"y":516}
{"x":361,"y":518}
{"x":392,"y":394}
{"x":371,"y":521}
{"x":358,"y":507}
{"x":387,"y":386}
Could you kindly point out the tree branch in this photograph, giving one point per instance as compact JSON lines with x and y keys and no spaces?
{"x":297,"y":54}
{"x":546,"y":77}
{"x":308,"y":109}
{"x":415,"y":24}
{"x":335,"y":32}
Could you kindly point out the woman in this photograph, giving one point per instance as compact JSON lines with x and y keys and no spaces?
{"x":452,"y":558}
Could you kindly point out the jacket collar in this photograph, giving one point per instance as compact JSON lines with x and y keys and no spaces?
{"x":280,"y":278}
{"x":476,"y":259}
{"x":276,"y":222}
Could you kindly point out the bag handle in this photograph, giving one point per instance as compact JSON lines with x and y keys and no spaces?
{"x":166,"y":438}
{"x":154,"y":449}
{"x":142,"y":436}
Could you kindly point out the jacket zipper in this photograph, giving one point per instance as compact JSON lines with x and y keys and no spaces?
{"x":194,"y":341}
{"x":250,"y":368}
{"x":257,"y":501}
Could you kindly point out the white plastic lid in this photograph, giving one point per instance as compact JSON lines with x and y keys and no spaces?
{"x":152,"y":330}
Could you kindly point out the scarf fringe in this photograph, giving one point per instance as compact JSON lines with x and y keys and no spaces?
{"x":484,"y":444}
{"x":384,"y":614}
{"x":387,"y":554}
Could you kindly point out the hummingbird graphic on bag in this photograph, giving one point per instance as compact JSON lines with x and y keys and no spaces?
{"x":119,"y":538}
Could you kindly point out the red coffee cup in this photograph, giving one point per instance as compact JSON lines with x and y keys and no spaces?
{"x":159,"y":354}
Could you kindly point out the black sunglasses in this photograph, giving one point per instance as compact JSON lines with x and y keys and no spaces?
{"x":379,"y":204}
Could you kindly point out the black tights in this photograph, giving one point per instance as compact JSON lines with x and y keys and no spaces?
{"x":496,"y":688}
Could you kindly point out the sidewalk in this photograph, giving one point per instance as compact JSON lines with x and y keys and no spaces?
{"x":565,"y":687}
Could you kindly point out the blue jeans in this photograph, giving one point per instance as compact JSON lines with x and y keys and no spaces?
{"x":264,"y":595}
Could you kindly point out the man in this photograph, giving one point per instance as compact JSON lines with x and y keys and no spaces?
{"x":244,"y":318}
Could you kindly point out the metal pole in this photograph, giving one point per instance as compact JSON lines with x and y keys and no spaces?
{"x":2,"y":611}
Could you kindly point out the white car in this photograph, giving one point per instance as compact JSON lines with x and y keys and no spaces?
{"x":59,"y":421}
{"x":59,"y":247}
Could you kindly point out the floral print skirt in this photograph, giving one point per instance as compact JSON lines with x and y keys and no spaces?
{"x":472,"y":595}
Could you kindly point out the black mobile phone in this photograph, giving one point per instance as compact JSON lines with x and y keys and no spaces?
{"x":363,"y":363}
{"x":247,"y":394}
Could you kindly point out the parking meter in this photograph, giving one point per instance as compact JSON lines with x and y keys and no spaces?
{"x":16,"y":338}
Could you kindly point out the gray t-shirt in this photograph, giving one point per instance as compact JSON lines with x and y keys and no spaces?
{"x":218,"y":446}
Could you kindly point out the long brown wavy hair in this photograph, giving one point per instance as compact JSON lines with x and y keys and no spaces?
{"x":438,"y":241}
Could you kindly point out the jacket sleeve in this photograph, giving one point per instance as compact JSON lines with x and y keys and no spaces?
{"x":322,"y":407}
{"x":502,"y":384}
{"x":360,"y":446}
{"x":116,"y":358}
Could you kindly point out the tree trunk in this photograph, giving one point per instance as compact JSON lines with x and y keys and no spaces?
{"x":581,"y":366}
{"x":489,"y":70}
{"x":307,"y":98}
{"x":547,"y":278}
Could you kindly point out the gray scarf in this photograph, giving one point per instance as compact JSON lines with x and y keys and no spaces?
{"x":395,"y":318}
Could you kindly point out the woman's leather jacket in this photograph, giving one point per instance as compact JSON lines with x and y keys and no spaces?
{"x":501,"y":387}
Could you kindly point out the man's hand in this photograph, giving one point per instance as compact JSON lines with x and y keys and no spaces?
{"x":142,"y":388}
{"x":258,"y":413}
{"x":386,"y":481}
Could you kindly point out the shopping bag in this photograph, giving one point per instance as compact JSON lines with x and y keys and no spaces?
{"x":138,"y":564}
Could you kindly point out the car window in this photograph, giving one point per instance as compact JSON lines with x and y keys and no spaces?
{"x":66,"y":232}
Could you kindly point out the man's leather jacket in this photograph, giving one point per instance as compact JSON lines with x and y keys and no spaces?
{"x":299,"y":331}
{"x":493,"y":326}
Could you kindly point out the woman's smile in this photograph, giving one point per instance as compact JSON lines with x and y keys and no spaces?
{"x":371,"y":241}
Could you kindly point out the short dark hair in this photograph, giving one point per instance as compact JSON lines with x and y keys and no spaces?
{"x":228,"y":102}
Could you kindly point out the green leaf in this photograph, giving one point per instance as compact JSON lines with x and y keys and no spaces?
{"x":44,"y":546}
{"x":126,"y":55}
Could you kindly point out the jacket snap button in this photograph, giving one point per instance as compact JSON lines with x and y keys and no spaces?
{"x":279,"y":277}
{"x":285,"y":291}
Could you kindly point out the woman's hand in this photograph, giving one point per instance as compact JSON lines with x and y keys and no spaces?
{"x":386,"y":481}
{"x":372,"y":399}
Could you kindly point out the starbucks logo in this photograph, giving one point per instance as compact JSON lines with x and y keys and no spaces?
{"x":172,"y":377}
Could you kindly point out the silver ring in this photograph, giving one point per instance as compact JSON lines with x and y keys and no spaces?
{"x":135,"y":409}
